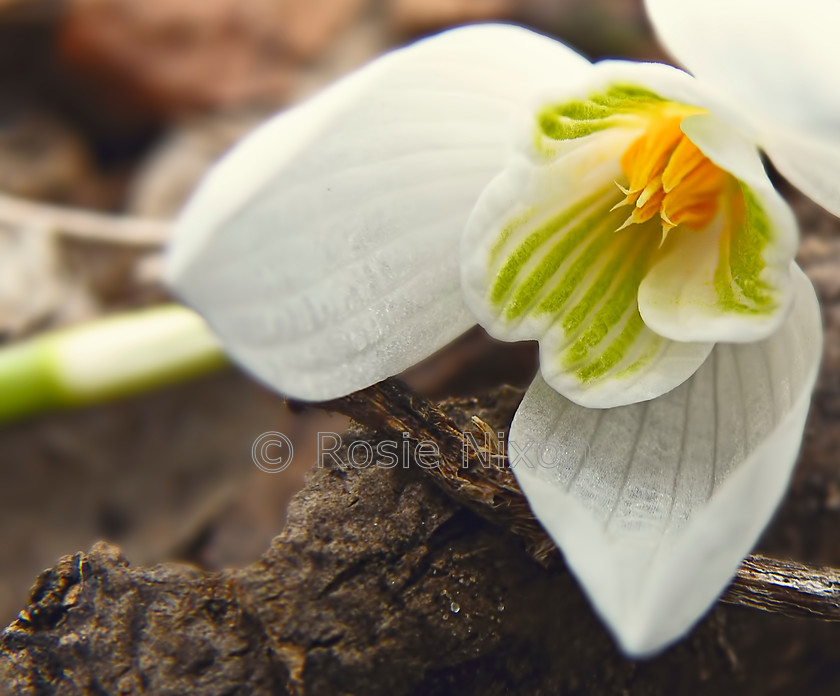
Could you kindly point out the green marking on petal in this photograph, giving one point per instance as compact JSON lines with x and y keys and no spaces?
{"x":615,"y":352}
{"x":506,"y":277}
{"x":613,"y":308}
{"x":582,"y":117}
{"x":558,"y":126}
{"x":596,"y":225}
{"x":654,"y":345}
{"x":507,"y":231}
{"x":742,"y":261}
{"x":627,"y":97}
{"x":747,"y":260}
{"x":554,"y":301}
{"x":625,"y":292}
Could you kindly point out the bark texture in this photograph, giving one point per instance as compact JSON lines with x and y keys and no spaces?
{"x":382,"y":583}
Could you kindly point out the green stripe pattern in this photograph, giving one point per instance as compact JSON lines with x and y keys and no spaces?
{"x":571,"y":120}
{"x":567,"y":277}
{"x":575,"y":280}
{"x":738,"y":283}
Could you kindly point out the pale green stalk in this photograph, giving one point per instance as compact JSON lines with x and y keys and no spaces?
{"x":106,"y":359}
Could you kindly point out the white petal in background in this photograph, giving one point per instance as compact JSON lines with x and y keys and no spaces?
{"x":323,"y":250}
{"x":780,"y":61}
{"x":654,"y":505}
{"x":812,"y":164}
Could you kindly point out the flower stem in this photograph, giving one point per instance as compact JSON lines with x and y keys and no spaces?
{"x":106,"y":359}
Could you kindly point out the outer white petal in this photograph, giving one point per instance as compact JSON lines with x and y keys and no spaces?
{"x":323,"y":249}
{"x":654,"y":505}
{"x":779,"y":62}
{"x":812,"y":164}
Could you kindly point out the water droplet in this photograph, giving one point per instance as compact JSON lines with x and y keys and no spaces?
{"x":454,"y":607}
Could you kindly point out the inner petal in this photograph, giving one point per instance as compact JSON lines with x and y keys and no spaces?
{"x":541,"y":257}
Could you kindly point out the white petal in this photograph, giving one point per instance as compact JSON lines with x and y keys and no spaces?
{"x":323,"y":249}
{"x":727,"y":148}
{"x":731,"y":281}
{"x":773,"y":57}
{"x":779,"y":62}
{"x":811,"y":164}
{"x":654,"y":505}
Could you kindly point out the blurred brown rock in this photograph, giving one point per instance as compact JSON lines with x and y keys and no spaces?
{"x":412,"y":17}
{"x":107,"y":471}
{"x":171,"y":56}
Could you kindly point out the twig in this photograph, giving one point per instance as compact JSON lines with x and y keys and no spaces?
{"x":487,"y":486}
{"x":86,"y":225}
{"x":785,"y":587}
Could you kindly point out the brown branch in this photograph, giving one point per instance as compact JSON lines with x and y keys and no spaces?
{"x":786,"y":587}
{"x":486,"y":485}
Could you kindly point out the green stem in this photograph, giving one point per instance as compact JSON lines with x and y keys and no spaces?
{"x":106,"y":359}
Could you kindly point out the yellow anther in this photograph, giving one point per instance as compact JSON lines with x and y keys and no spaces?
{"x":653,"y":187}
{"x":685,"y":158}
{"x":669,"y":175}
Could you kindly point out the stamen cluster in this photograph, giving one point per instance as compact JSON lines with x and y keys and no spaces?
{"x":669,"y":175}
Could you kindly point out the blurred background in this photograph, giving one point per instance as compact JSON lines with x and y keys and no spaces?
{"x":119,"y":106}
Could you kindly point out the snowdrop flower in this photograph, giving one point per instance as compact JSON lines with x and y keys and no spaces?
{"x":619,"y":213}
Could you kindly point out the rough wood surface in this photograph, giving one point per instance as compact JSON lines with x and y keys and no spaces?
{"x":383,"y":584}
